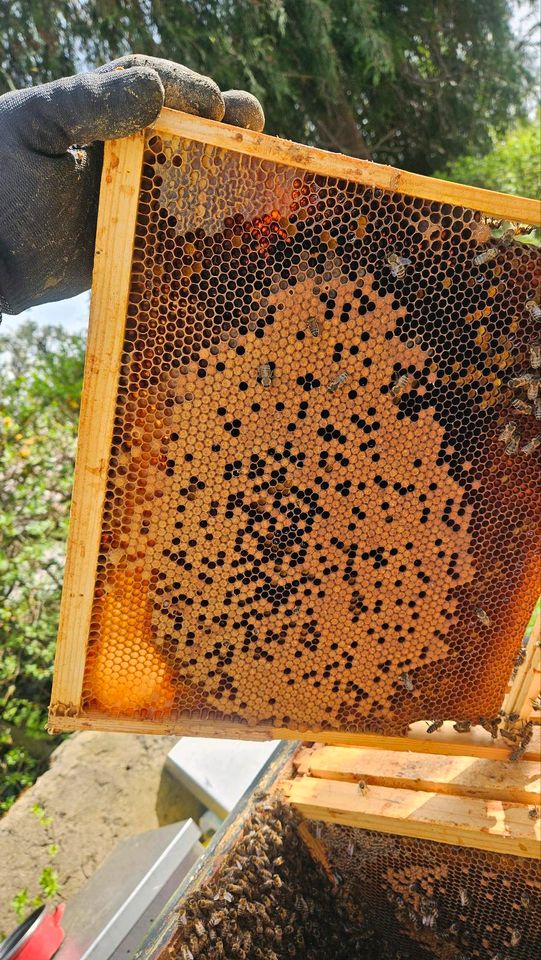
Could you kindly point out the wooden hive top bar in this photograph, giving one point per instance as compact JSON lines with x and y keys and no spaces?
{"x":305,"y":493}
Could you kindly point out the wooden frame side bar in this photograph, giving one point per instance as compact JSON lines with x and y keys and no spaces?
{"x":110,"y":287}
{"x":494,"y":825}
{"x":330,"y":164}
{"x":527,"y":682}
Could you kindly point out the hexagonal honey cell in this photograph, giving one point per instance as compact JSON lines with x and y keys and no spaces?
{"x":321,"y":508}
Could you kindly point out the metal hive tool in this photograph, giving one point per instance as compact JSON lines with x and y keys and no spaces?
{"x":321,"y":508}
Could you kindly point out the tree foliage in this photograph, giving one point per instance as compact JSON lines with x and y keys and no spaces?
{"x":512,"y":165}
{"x":414,"y":84}
{"x":40,"y":383}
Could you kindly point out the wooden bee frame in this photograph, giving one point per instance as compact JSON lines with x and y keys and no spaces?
{"x":116,"y":232}
{"x":461,"y":827}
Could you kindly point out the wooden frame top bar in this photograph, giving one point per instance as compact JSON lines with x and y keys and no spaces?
{"x":275,"y":150}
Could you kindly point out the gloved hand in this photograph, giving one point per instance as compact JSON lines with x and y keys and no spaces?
{"x":49,"y":191}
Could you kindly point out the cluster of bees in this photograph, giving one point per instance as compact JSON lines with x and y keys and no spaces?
{"x":268,"y":900}
{"x":515,"y":731}
{"x":421,"y":913}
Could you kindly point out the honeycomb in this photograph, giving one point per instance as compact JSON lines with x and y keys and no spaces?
{"x":267,"y":900}
{"x":451,"y":902}
{"x":322,"y":508}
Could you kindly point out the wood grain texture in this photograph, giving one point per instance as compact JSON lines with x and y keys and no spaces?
{"x":453,"y":776}
{"x":110,"y":284}
{"x":476,"y":744}
{"x":526,"y":685}
{"x":337,"y":165}
{"x":461,"y":821}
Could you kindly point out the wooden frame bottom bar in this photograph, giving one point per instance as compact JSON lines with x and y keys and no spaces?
{"x":477,"y":743}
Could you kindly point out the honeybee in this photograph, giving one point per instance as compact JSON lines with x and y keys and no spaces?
{"x":338,"y":381}
{"x":520,"y":658}
{"x":521,"y":380}
{"x":482,"y":616}
{"x":508,"y":431}
{"x":536,"y":703}
{"x":533,"y":813}
{"x":362,"y":787}
{"x":435,"y":725}
{"x":526,"y":734}
{"x":533,"y":309}
{"x":312,"y":325}
{"x":491,"y":726}
{"x":512,"y":447}
{"x":429,"y":913}
{"x":398,"y":265}
{"x":185,"y":952}
{"x":264,"y":375}
{"x":521,"y":406}
{"x":532,"y":444}
{"x":489,"y":254}
{"x":400,"y":385}
{"x":462,"y":726}
{"x":532,"y":389}
{"x":515,"y":938}
{"x":535,"y":353}
{"x":463,"y":897}
{"x":507,"y":238}
{"x":509,"y":735}
{"x":537,"y":408}
{"x":199,"y":928}
{"x":407,"y":681}
{"x":517,"y":753}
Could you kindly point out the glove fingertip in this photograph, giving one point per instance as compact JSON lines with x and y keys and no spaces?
{"x":242,"y":109}
{"x":138,"y":97}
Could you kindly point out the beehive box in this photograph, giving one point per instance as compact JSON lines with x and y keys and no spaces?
{"x":305,"y":496}
{"x":341,"y":854}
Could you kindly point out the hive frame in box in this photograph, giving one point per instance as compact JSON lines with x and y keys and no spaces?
{"x":114,"y":248}
{"x":478,"y":805}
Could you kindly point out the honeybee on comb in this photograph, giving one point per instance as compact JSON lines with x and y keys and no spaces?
{"x":312,"y":325}
{"x":533,"y":309}
{"x":264,"y":375}
{"x":485,"y":256}
{"x":482,"y":616}
{"x":398,"y":265}
{"x":508,"y":431}
{"x":337,"y":382}
{"x":400,"y":385}
{"x":407,"y":681}
{"x":533,"y":444}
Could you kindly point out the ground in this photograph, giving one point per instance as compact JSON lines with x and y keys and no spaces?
{"x":101,"y":787}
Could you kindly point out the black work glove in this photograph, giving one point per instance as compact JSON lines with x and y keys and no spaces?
{"x":49,"y":191}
